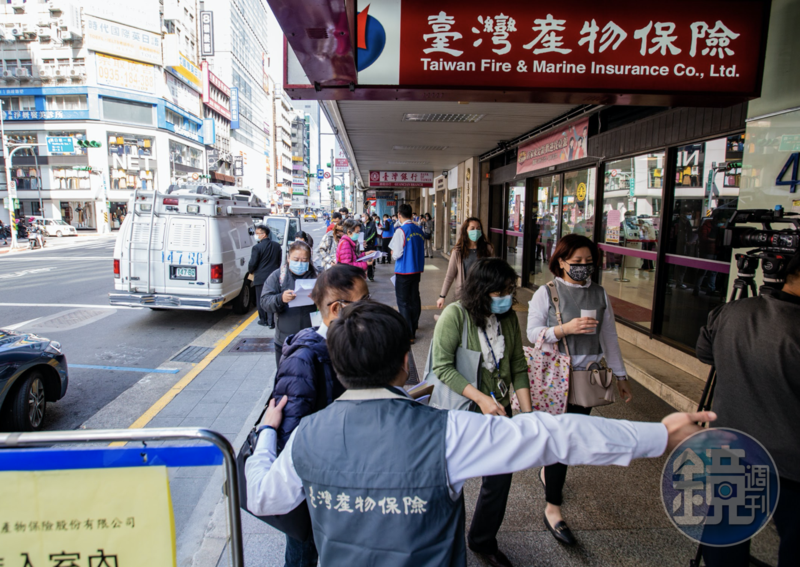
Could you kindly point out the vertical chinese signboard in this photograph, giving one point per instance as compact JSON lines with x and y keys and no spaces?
{"x":683,"y":46}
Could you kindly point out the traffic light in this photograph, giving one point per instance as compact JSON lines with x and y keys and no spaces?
{"x":327,"y":165}
{"x":88,"y":144}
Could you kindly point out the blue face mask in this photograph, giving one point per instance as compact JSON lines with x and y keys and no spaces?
{"x":298,"y":268}
{"x":474,"y":235}
{"x":502,"y":304}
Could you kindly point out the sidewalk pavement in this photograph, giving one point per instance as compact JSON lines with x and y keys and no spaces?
{"x":615,"y":512}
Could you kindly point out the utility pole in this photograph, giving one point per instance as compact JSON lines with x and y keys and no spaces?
{"x":12,"y":191}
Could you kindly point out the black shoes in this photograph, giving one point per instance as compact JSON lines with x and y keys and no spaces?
{"x":262,"y":323}
{"x":271,"y":325}
{"x":496,"y":559}
{"x":561,"y":532}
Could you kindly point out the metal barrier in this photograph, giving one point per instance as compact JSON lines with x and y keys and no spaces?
{"x":149,"y":456}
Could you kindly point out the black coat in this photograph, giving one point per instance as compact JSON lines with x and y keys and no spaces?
{"x":265,"y":258}
{"x":288,"y":320}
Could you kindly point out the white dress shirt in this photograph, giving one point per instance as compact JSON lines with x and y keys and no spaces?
{"x":475,"y":446}
{"x":323,"y":331}
{"x":397,"y":244}
{"x":537,"y":321}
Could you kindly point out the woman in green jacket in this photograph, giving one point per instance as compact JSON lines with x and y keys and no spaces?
{"x":492,"y":329}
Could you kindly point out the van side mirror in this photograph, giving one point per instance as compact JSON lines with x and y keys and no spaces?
{"x":251,"y":231}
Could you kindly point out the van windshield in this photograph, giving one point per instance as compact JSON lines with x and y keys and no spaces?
{"x":277,"y":228}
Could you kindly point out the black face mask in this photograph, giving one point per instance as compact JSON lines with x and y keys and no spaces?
{"x":580,"y":272}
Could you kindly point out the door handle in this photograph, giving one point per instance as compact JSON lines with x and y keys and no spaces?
{"x":241,"y":261}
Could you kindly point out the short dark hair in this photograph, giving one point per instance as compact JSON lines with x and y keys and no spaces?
{"x":404,"y":210}
{"x":344,"y":210}
{"x":793,"y":269}
{"x":350,"y":225}
{"x":336,"y":215}
{"x":368,"y":344}
{"x":264,"y":228}
{"x":338,"y":278}
{"x":566,"y":247}
{"x":487,"y":275}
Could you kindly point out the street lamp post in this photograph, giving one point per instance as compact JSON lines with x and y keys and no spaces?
{"x":12,"y":192}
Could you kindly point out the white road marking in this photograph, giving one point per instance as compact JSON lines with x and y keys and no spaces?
{"x":79,"y":305}
{"x":25,"y":273}
{"x":18,"y":325}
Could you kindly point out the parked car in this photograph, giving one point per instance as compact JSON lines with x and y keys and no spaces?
{"x":283,"y":230}
{"x":33,"y":371}
{"x":310,"y":217}
{"x":54,"y":227}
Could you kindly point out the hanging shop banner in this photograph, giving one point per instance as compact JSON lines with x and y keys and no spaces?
{"x":207,"y":34}
{"x":97,"y":517}
{"x":125,"y":74}
{"x":234,"y":108}
{"x":683,"y":46}
{"x":401,"y":179}
{"x":341,"y":165}
{"x":116,"y":39}
{"x":563,"y":145}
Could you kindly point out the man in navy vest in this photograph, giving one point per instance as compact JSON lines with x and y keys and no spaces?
{"x":408,"y":250}
{"x":383,"y":475}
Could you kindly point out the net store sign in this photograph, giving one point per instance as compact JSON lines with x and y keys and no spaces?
{"x":581,"y":45}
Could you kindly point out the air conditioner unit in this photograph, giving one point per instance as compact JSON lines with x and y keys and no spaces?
{"x":77,"y":73}
{"x":45,"y":33}
{"x":29,"y":32}
{"x":46,"y":72}
{"x":22,"y":73}
{"x":61,"y":74}
{"x":17,"y":32}
{"x":18,"y":6}
{"x":54,"y":7}
{"x":8,"y":74}
{"x":62,"y":23}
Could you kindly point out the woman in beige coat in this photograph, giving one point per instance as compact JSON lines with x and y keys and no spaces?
{"x":471,"y":246}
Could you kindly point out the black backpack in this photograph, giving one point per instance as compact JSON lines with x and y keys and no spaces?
{"x":297,"y":523}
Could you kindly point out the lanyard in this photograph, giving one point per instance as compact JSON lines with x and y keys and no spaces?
{"x":494,"y":358}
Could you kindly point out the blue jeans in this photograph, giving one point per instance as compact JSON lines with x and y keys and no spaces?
{"x":301,"y":553}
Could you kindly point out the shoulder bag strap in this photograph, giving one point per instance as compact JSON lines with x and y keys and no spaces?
{"x":464,"y":333}
{"x":557,"y":304}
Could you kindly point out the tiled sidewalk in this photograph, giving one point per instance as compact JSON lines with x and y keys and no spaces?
{"x":616,"y":512}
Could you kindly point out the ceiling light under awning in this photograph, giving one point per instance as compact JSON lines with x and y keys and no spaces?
{"x":454,"y":118}
{"x":423,"y":148}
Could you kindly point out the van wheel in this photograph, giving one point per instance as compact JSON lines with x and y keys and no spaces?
{"x":29,"y":404}
{"x":58,"y":234}
{"x":241,"y":304}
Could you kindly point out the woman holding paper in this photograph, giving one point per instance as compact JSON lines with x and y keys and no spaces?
{"x":346,"y":253}
{"x":292,"y":314}
{"x":589,"y":329}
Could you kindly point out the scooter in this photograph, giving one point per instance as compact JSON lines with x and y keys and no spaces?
{"x":33,"y":240}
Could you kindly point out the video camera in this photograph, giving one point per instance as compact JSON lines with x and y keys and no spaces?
{"x":773,"y":248}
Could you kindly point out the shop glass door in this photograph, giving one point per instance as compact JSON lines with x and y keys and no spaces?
{"x":577,"y":215}
{"x":706,"y":194}
{"x":631,"y":220}
{"x":515,"y":225}
{"x":547,"y":192}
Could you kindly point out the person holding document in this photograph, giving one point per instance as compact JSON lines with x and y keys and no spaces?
{"x":383,"y":476}
{"x":589,"y":329}
{"x":492,"y":329}
{"x":279,"y":292}
{"x":347,"y":253}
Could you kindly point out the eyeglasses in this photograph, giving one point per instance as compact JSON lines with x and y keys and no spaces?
{"x":346,"y":301}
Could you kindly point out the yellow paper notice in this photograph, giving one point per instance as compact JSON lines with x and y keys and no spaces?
{"x":116,"y":517}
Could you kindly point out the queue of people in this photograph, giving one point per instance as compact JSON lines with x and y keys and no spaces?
{"x":342,"y":437}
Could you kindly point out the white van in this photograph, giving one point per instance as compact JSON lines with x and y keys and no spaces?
{"x":187,"y":249}
{"x":282,"y":229}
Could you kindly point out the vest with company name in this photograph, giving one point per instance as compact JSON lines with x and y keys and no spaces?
{"x":376,"y":488}
{"x":413,"y":259}
{"x":572,"y":300}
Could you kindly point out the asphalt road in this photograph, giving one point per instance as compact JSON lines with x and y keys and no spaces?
{"x":61,"y":293}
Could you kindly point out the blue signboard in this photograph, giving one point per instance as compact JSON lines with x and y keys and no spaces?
{"x":234,"y":108}
{"x":45,"y":115}
{"x":60,"y":145}
{"x":320,"y":173}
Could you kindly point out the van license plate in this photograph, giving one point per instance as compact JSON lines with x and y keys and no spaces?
{"x":182,"y":273}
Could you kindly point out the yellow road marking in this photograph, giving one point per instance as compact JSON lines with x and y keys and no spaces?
{"x":153,"y":410}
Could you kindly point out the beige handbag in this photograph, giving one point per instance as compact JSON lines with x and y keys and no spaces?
{"x":587,"y":388}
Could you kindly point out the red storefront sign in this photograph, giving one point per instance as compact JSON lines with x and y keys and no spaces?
{"x":210,"y":79}
{"x":565,"y":144}
{"x":401,"y":179}
{"x":682,"y":46}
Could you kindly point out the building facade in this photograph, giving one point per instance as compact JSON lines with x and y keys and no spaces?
{"x":94,"y":72}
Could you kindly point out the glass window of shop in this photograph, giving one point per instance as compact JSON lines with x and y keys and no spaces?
{"x":454,"y":217}
{"x":544,"y":216}
{"x":631,"y":222}
{"x":127,"y":111}
{"x":80,"y":214}
{"x":697,"y":263}
{"x":18,"y":103}
{"x":185,"y":155}
{"x":72,"y":102}
{"x":515,"y":225}
{"x":116,"y":214}
{"x":26,"y":177}
{"x":132,"y":161}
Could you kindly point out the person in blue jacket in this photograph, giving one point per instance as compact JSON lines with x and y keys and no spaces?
{"x":306,"y":367}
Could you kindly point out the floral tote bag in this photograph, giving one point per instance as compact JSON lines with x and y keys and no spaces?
{"x":548,"y":374}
